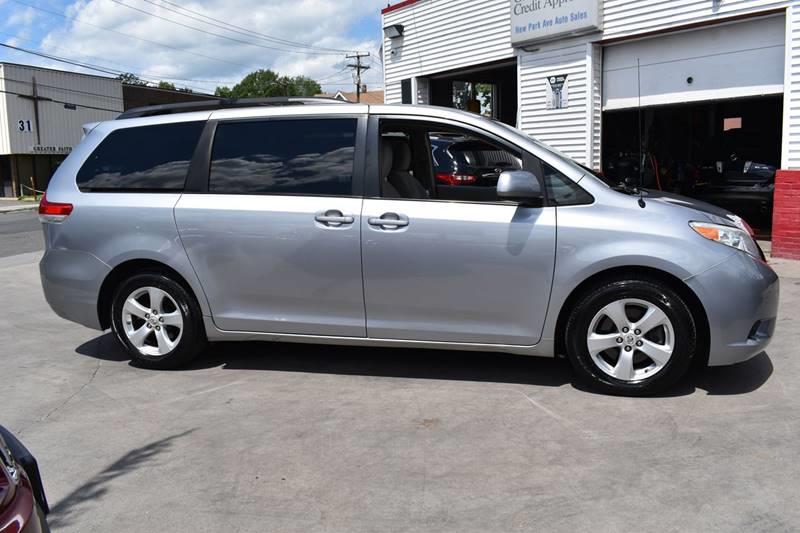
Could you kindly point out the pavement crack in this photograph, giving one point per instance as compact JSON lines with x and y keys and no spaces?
{"x":74,"y":394}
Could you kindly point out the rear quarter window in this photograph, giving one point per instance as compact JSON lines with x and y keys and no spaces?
{"x":146,"y":159}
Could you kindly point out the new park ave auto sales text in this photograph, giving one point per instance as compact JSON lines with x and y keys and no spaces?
{"x":528,"y":7}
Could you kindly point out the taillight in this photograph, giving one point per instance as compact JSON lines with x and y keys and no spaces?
{"x":53,"y":211}
{"x":447,"y":178}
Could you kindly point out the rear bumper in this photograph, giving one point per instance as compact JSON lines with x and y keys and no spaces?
{"x":740,"y":297}
{"x":71,"y":281}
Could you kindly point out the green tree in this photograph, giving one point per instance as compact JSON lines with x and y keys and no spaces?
{"x":131,"y":79}
{"x":166,"y":85}
{"x":224,"y":92}
{"x":264,"y":83}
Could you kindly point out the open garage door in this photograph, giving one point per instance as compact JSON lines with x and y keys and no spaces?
{"x":724,"y":152}
{"x":734,"y":60}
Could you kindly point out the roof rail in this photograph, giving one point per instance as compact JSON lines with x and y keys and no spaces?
{"x":223,"y":103}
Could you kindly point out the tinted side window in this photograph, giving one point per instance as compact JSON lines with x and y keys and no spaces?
{"x":300,"y":156}
{"x":147,"y":158}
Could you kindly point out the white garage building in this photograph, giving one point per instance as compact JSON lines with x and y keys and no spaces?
{"x":41,"y":114}
{"x":699,"y":80}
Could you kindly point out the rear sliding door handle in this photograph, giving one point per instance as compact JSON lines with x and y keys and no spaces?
{"x":389,"y":221}
{"x":333,"y":218}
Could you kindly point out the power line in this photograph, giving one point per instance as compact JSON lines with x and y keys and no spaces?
{"x":127,"y":68}
{"x":88,"y":66}
{"x":56,"y":58}
{"x":238,"y":29}
{"x":63,"y":89}
{"x":333,"y":79}
{"x":56,"y":13}
{"x":66,"y":103}
{"x":335,"y":75}
{"x":234,"y":39}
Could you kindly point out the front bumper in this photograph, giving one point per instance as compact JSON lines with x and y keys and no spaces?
{"x":740,"y":296}
{"x":71,"y":281}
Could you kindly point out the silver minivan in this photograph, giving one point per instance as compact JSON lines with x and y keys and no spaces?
{"x":301,"y":220}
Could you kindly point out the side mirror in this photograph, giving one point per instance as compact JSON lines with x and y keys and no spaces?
{"x":518,"y":186}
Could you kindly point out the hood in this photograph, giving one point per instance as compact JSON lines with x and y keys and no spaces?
{"x":712,"y":212}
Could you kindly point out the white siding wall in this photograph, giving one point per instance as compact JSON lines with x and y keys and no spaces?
{"x":5,"y":126}
{"x":596,"y":111}
{"x":96,"y":99}
{"x":567,"y":129}
{"x":623,"y":18}
{"x":791,"y":101}
{"x":442,"y":35}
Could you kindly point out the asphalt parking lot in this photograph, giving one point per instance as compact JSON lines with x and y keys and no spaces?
{"x":279,"y":437}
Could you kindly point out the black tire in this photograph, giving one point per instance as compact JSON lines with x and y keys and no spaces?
{"x":192,"y":339}
{"x":650,"y":291}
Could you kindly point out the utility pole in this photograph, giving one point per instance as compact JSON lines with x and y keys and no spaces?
{"x":36,"y":99}
{"x":358,"y":67}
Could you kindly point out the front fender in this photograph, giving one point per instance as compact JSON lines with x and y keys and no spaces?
{"x":594,"y":239}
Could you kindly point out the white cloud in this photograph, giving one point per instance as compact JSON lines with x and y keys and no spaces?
{"x":21,"y":17}
{"x":20,"y":24}
{"x":323,"y":23}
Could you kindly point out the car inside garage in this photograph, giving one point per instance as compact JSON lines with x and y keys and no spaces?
{"x":723,"y":152}
{"x":699,"y":113}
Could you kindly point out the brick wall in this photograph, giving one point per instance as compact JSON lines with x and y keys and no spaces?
{"x":786,"y":215}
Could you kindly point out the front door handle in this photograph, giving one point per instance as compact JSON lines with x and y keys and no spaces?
{"x":333,"y":218}
{"x":389,"y":221}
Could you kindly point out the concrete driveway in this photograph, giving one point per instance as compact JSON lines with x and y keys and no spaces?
{"x":278,"y":437}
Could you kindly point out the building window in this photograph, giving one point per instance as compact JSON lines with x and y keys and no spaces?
{"x":478,"y":98}
{"x":405,"y":90}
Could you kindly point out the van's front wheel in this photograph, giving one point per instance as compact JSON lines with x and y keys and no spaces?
{"x":632,"y":337}
{"x":157,"y":321}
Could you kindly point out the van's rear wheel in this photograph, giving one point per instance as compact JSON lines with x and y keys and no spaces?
{"x":633,"y":337}
{"x":157,"y":321}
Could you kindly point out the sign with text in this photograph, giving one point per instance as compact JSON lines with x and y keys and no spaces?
{"x":557,"y":92}
{"x":52,"y":150}
{"x":537,"y":20}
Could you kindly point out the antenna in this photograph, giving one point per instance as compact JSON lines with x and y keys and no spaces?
{"x":639,"y":111}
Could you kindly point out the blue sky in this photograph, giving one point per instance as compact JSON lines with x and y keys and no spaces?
{"x":172,"y":39}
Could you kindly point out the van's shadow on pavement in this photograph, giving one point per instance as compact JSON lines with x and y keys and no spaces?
{"x":429,"y":364}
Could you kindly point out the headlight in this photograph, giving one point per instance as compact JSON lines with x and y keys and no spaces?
{"x":728,"y":235}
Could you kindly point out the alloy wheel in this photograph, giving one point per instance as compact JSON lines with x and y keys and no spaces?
{"x":152,"y":321}
{"x":631,"y":339}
